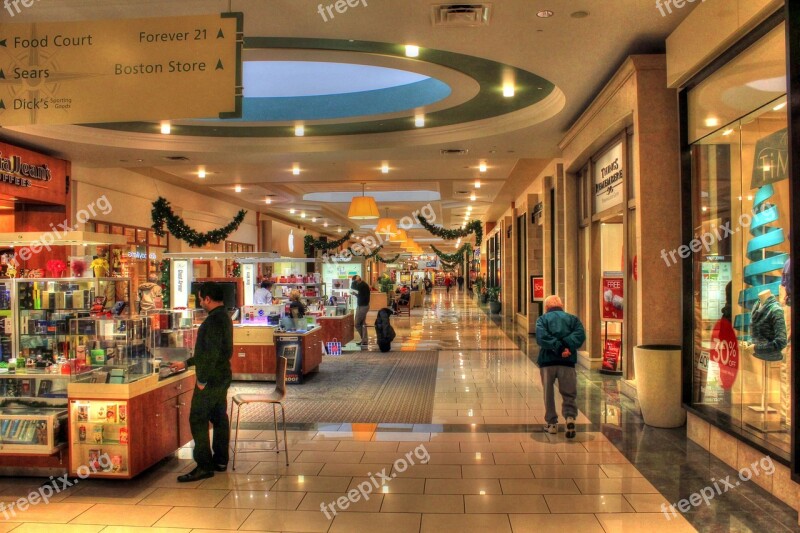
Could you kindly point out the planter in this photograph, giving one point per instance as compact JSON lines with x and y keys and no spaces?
{"x":494,"y":307}
{"x":484,"y":298}
{"x":658,"y":385}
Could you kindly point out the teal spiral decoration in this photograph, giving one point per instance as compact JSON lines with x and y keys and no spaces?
{"x":764,"y":271}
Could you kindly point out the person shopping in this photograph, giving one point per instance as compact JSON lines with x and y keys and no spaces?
{"x":212,"y":361}
{"x":363,"y":294}
{"x":263,"y":294}
{"x":559,"y":335}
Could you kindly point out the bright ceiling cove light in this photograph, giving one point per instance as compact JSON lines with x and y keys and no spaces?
{"x":412,"y":50}
{"x":472,"y":197}
{"x":299,"y":130}
{"x":296,"y":169}
{"x":727,"y":132}
{"x":419,"y":121}
{"x":166,"y":128}
{"x":545,"y":14}
{"x":508,"y":90}
{"x":477,"y":184}
{"x":712,"y":122}
{"x":201,"y":173}
{"x":779,"y":106}
{"x":482,"y":166}
{"x":238,"y":188}
{"x":385,"y":168}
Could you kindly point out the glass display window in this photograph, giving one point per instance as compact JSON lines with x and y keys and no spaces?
{"x":741,"y":271}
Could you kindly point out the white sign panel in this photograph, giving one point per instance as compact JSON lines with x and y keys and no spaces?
{"x":249,"y":279}
{"x":180,"y":283}
{"x":609,"y":174}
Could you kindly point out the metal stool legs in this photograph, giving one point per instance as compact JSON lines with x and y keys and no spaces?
{"x":275,"y":429}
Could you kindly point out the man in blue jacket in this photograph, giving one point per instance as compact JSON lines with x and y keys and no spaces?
{"x":559,"y":335}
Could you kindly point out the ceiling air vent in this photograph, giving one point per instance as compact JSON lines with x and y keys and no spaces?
{"x":460,"y":15}
{"x":453,"y":151}
{"x":177,"y":158}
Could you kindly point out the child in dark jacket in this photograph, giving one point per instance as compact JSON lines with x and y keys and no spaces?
{"x":559,"y":335}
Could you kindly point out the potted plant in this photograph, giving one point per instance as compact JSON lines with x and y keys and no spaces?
{"x":385,"y":284}
{"x":493,"y":296}
{"x":478,"y":287}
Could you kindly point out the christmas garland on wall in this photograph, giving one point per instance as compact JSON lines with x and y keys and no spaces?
{"x":387,"y":261}
{"x":162,"y":214}
{"x":455,"y":258}
{"x":474,"y":227}
{"x":310,"y":243}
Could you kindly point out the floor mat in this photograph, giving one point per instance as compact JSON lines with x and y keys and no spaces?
{"x":361,"y":387}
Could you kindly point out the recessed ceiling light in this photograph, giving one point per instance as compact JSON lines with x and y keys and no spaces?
{"x":314,"y":219}
{"x":412,"y":50}
{"x":727,"y":132}
{"x":238,"y":188}
{"x":419,"y":121}
{"x":544,"y":14}
{"x":166,"y":128}
{"x":201,"y":173}
{"x":303,"y":214}
{"x":472,"y":197}
{"x":339,"y":230}
{"x":482,"y":166}
{"x":477,"y":184}
{"x":579,"y":14}
{"x":268,"y":201}
{"x":712,"y":122}
{"x":292,"y":211}
{"x":779,"y":106}
{"x":385,"y":168}
{"x":296,"y":169}
{"x":299,"y":130}
{"x":325,"y":224}
{"x":508,"y":90}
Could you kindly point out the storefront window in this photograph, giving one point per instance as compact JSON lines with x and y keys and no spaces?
{"x":740,"y":256}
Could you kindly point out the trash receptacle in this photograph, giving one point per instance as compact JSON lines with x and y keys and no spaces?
{"x":658,"y":384}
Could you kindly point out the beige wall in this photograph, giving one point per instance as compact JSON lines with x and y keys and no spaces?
{"x":131,"y":196}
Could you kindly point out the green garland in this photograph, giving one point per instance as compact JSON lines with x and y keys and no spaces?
{"x":387,"y":261}
{"x":162,"y":214}
{"x":374,"y":252}
{"x":474,"y":227}
{"x":455,"y":258}
{"x":164,"y":268}
{"x":310,"y":243}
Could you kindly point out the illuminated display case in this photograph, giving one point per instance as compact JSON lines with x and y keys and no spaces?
{"x":171,"y":334}
{"x":33,"y":412}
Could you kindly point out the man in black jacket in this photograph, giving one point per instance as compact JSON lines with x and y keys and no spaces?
{"x":212,"y":361}
{"x":362,"y":307}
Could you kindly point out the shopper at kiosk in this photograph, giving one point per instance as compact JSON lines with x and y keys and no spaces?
{"x":212,"y":361}
{"x":150,"y":296}
{"x":296,"y":307}
{"x":263,"y":295}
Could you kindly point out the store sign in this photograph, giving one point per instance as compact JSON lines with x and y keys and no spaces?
{"x":141,"y":256}
{"x":249,"y":279}
{"x":612,"y":288}
{"x":725,"y":352}
{"x":771,"y":159}
{"x":611,"y":353}
{"x":609,"y":175}
{"x":15,"y":171}
{"x":537,"y":288}
{"x":180,"y":283}
{"x":76,"y":72}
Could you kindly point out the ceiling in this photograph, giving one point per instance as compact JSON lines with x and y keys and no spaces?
{"x":559,"y":64}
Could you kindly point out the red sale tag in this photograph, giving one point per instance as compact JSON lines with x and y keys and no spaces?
{"x":725,"y":352}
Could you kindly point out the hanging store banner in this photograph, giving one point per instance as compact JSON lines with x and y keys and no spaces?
{"x":120,"y":70}
{"x":609,"y":175}
{"x":771,"y":162}
{"x":612,"y":289}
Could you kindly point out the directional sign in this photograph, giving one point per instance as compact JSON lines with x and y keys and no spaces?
{"x":120,"y":70}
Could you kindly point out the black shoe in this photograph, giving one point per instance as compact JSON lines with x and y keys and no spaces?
{"x":220,"y":468}
{"x":195,"y":475}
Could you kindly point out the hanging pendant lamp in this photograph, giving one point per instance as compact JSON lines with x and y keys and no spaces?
{"x":386,"y":226}
{"x":399,"y":237}
{"x":363,"y":207}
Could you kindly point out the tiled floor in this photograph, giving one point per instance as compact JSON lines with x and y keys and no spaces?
{"x":483,"y":464}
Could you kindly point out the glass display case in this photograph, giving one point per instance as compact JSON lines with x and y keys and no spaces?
{"x":33,"y":411}
{"x":45,"y":307}
{"x":171,"y":334}
{"x":109,"y":350}
{"x":339,"y":277}
{"x":6,"y":321}
{"x":99,"y":436}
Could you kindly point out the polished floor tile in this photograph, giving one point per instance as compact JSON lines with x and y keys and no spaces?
{"x":589,"y":503}
{"x":121,"y":515}
{"x":183,"y":517}
{"x":447,"y":523}
{"x":383,"y":522}
{"x":550,"y":523}
{"x":505,"y":503}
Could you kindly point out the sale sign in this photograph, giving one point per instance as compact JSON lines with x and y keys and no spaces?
{"x":725,"y":352}
{"x":537,"y":288}
{"x":612,"y":298}
{"x":611,"y":354}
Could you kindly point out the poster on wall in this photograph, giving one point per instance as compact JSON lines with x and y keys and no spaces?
{"x":611,"y":351}
{"x":725,"y":352}
{"x":537,"y":288}
{"x":609,"y":175}
{"x":612,"y":290}
{"x":716,"y":274}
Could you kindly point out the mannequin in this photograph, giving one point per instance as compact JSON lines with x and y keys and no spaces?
{"x":768,"y":332}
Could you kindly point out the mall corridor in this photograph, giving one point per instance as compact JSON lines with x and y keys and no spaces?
{"x":477,"y":460}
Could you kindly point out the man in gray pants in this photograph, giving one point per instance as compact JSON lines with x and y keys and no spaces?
{"x":559,"y":336}
{"x":362,"y":307}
